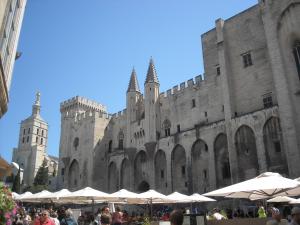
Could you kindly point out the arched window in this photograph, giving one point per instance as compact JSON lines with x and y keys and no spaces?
{"x":121,"y":139}
{"x":296,"y":52}
{"x":167,"y":127}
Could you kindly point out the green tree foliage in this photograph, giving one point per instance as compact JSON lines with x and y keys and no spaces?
{"x":41,"y":178}
{"x":16,"y":187}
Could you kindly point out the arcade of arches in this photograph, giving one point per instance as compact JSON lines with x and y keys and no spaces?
{"x":190,"y":171}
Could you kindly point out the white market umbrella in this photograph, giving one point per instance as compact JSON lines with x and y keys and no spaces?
{"x":123,"y":196}
{"x":38,"y":197}
{"x":200,"y":198}
{"x":294,"y":191}
{"x":55,"y":196}
{"x":152,"y":197}
{"x":24,"y":195}
{"x":85,"y":194}
{"x":15,"y":195}
{"x":266,"y":185}
{"x":178,"y":197}
{"x":281,"y":199}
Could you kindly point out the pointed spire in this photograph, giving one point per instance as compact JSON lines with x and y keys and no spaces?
{"x":151,"y":74}
{"x":36,"y":108}
{"x":133,"y":83}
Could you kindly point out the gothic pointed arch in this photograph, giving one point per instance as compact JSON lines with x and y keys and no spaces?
{"x":200,"y":166}
{"x":141,"y":171}
{"x":73,"y":178}
{"x":113,"y":182}
{"x":125,"y":174}
{"x":245,"y":144}
{"x":275,"y":154}
{"x":223,"y":174}
{"x":179,"y":170}
{"x":160,"y":165}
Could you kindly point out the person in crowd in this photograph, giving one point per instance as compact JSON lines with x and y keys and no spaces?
{"x":80,"y":220}
{"x":261,"y":212}
{"x":217,"y":215}
{"x":117,"y":217}
{"x":105,"y":216}
{"x":27,"y":220}
{"x":295,"y":216}
{"x":176,"y":217}
{"x":68,"y":220}
{"x":44,"y":219}
{"x":54,"y":216}
{"x":98,"y":216}
{"x":276,"y":218}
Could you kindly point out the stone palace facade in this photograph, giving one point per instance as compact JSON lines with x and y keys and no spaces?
{"x":241,"y":118}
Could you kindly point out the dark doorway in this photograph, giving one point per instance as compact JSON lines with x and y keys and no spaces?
{"x":143,"y":186}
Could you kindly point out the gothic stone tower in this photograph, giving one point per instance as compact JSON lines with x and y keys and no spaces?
{"x":82,"y":125}
{"x":32,"y":147}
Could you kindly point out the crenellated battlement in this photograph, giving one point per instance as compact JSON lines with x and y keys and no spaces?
{"x":81,"y":102}
{"x":89,"y":115}
{"x":119,"y":114}
{"x":196,"y":81}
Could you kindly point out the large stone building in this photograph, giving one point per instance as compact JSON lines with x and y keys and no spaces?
{"x":11,"y":17}
{"x":241,"y":118}
{"x":32,"y":147}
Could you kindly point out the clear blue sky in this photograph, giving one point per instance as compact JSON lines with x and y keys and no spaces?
{"x":88,"y":48}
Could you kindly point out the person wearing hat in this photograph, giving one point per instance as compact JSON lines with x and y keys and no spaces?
{"x":276,"y":218}
{"x":295,"y":216}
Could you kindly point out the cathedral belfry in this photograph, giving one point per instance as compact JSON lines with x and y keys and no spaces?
{"x":32,"y":145}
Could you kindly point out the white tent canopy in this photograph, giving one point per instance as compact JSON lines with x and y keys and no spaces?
{"x":266,"y":185}
{"x":200,"y":198}
{"x":123,"y":196}
{"x":281,"y":199}
{"x":24,"y":195}
{"x":55,"y":196}
{"x":15,"y":195}
{"x":150,"y":196}
{"x":38,"y":197}
{"x":181,"y":198}
{"x":85,"y":194}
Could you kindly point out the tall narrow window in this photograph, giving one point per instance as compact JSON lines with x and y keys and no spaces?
{"x":296,"y":52}
{"x":218,"y":70}
{"x":42,"y":141}
{"x":178,"y":128}
{"x":42,"y":132}
{"x":27,"y":139}
{"x":167,"y":127}
{"x":37,"y":131}
{"x":24,"y":131}
{"x":121,"y":139}
{"x":37,"y":139}
{"x":28,"y":130}
{"x":247,"y":59}
{"x":267,"y":100}
{"x":193,"y":103}
{"x":23,"y":140}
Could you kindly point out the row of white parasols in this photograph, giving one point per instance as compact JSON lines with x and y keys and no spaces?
{"x":268,"y":185}
{"x":89,"y":195}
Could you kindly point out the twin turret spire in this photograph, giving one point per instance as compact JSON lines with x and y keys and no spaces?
{"x":150,"y":78}
{"x":133,"y":83}
{"x":151,"y":74}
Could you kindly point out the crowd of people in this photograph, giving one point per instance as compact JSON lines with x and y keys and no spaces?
{"x":103,"y":216}
{"x":62,"y":216}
